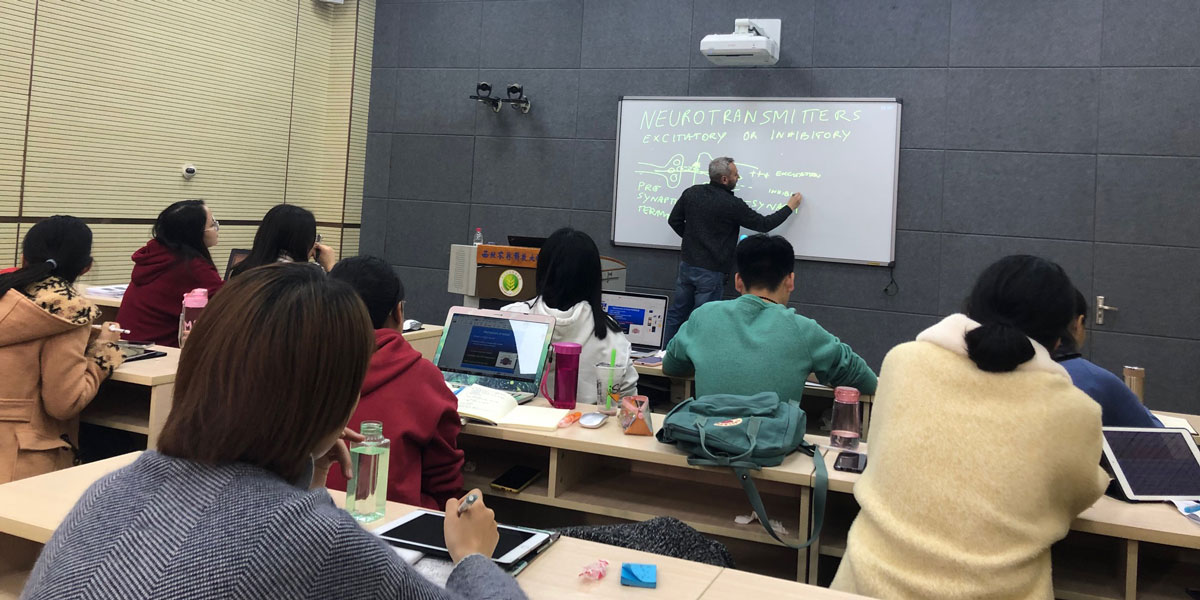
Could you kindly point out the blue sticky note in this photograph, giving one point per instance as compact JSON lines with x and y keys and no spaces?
{"x":637,"y":575}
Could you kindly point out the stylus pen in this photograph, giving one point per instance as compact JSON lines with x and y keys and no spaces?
{"x":462,"y":508}
{"x":113,"y":328}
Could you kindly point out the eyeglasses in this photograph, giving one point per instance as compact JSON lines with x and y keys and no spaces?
{"x":215,"y":226}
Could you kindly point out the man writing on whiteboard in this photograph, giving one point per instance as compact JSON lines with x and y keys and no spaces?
{"x":707,"y":217}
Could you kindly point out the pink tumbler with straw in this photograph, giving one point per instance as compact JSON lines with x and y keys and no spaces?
{"x":566,"y":374}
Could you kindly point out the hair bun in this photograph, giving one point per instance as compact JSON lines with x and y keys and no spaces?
{"x":998,"y":348}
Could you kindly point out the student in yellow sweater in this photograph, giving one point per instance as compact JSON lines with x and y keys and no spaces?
{"x":982,"y":451}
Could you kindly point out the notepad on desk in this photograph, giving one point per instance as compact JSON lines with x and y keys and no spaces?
{"x":1175,"y":422}
{"x":495,"y":407}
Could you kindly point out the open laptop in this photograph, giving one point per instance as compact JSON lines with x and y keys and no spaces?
{"x":641,"y":317}
{"x":236,"y":256}
{"x":1151,"y":464}
{"x":501,"y":350}
{"x":526,"y":241}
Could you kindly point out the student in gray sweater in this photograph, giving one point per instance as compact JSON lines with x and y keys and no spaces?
{"x":233,"y":505}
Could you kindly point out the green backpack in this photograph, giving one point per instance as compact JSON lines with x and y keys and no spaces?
{"x":746,"y":432}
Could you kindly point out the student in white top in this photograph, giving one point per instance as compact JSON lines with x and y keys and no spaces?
{"x":569,"y":286}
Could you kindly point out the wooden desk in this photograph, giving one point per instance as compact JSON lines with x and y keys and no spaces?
{"x":425,"y":340}
{"x":137,"y":397}
{"x":732,"y":583}
{"x":605,"y":472}
{"x":31,"y":509}
{"x":1076,"y":577}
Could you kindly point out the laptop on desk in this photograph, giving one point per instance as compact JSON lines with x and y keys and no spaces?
{"x":641,"y":317}
{"x":500,"y":350}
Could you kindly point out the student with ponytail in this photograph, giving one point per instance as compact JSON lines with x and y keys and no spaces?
{"x":50,"y":364}
{"x":982,"y":450}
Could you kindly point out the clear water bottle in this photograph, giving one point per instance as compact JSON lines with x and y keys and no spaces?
{"x":846,"y":427}
{"x":366,"y":493}
{"x":478,"y":236}
{"x":193,"y":304}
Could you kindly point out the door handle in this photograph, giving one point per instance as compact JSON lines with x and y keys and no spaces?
{"x":1101,"y":308}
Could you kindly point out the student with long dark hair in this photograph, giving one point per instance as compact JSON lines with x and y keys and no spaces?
{"x":1120,"y":407}
{"x":569,"y":286}
{"x":173,"y":263}
{"x":50,"y":365}
{"x":232,"y":505}
{"x":288,"y":233}
{"x":982,"y":451}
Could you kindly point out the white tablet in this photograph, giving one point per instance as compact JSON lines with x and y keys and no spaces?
{"x":1152,"y":464}
{"x":422,"y":530}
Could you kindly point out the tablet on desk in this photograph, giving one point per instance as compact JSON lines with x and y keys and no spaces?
{"x":1153,"y":464}
{"x":422,"y":530}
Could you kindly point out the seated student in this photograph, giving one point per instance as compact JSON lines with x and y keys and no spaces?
{"x":756,"y":343}
{"x":569,"y":286}
{"x":231,"y":505}
{"x":982,"y":452}
{"x":288,"y":233}
{"x":50,"y":365}
{"x":172,"y":264}
{"x":1119,"y":406}
{"x":406,"y":393}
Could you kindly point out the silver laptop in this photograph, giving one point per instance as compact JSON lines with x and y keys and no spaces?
{"x":641,"y":317}
{"x":501,"y":350}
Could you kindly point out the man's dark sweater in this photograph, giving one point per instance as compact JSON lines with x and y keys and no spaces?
{"x":708,"y":216}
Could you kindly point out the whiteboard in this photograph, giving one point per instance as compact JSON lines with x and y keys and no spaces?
{"x":842,"y":154}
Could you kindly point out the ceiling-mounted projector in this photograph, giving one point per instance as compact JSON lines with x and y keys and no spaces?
{"x":754,"y":42}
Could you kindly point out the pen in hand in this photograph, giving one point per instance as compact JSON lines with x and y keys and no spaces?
{"x":113,"y":328}
{"x":462,"y":507}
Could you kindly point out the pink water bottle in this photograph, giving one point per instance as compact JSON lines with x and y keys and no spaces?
{"x":846,"y":427}
{"x":193,"y":304}
{"x":566,"y":374}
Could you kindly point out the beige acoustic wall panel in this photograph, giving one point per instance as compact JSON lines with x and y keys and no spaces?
{"x":126,"y":92}
{"x":16,"y":50}
{"x":9,"y":254}
{"x":357,"y":151}
{"x":320,"y":109}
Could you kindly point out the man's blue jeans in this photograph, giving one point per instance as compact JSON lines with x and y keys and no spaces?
{"x":693,"y":287}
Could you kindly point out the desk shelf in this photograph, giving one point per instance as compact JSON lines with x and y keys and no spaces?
{"x":491,"y":458}
{"x":638,"y":497}
{"x":116,"y":408}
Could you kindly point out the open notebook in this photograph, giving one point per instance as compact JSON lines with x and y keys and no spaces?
{"x":495,"y":407}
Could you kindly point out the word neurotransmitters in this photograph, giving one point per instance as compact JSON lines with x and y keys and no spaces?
{"x":658,"y":119}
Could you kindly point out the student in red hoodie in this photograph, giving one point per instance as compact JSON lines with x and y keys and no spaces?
{"x":405,"y":392}
{"x":172,"y":264}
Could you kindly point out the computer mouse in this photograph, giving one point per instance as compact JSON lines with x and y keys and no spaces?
{"x":592,"y":420}
{"x":412,"y":325}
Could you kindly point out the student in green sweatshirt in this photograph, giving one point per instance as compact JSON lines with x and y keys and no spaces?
{"x":756,"y":343}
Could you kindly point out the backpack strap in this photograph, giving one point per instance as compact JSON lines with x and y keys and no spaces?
{"x":820,"y":489}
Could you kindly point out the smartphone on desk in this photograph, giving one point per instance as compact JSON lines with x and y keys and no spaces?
{"x":850,"y":462}
{"x":516,"y":479}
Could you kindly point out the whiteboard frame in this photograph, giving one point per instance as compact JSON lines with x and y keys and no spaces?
{"x":612,"y":232}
